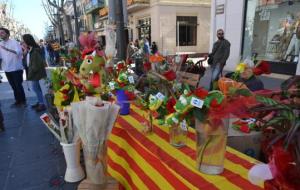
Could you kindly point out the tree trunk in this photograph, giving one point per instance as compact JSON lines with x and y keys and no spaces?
{"x":61,"y":31}
{"x":67,"y":21}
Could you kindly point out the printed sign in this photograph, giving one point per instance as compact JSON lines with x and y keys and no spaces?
{"x":131,"y":79}
{"x":160,"y":96}
{"x":197,"y":102}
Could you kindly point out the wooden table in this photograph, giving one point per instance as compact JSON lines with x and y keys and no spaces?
{"x":142,"y":162}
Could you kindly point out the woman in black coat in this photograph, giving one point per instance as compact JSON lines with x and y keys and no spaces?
{"x":36,"y":70}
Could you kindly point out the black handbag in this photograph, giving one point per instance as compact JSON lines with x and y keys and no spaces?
{"x":210,"y":60}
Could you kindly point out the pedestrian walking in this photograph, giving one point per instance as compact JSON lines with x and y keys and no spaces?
{"x":146,"y":47}
{"x":11,"y":55}
{"x":219,"y":55}
{"x":154,"y":48}
{"x":36,"y":70}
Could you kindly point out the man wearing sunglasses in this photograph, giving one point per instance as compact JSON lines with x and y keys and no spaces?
{"x":220,"y":54}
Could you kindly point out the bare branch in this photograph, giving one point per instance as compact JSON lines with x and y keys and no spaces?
{"x":49,"y":12}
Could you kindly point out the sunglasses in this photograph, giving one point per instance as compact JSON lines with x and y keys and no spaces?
{"x":220,"y":33}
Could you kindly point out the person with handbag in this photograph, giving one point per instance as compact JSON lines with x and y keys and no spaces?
{"x":218,"y":57}
{"x":36,"y":70}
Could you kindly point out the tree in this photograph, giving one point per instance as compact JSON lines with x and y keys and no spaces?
{"x":59,"y":5}
{"x":53,"y":17}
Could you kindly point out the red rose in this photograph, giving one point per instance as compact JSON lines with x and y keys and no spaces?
{"x":170,"y":105}
{"x":65,"y":97}
{"x":120,"y":66}
{"x":122,"y":84}
{"x":129,"y":61}
{"x":214,"y":104}
{"x":147,"y":66}
{"x":170,"y":75}
{"x":109,"y":69}
{"x":130,"y":95}
{"x":65,"y":91}
{"x":200,"y":93}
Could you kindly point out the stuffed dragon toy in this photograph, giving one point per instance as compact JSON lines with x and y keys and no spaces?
{"x":92,"y":74}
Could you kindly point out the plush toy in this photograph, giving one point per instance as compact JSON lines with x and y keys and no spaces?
{"x":92,"y":73}
{"x":184,"y":103}
{"x":172,"y":119}
{"x":154,"y":102}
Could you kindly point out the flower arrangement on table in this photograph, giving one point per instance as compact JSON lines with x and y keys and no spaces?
{"x":120,"y":78}
{"x":279,"y":118}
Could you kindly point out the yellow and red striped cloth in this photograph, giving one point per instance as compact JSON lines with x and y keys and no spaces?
{"x":142,"y":162}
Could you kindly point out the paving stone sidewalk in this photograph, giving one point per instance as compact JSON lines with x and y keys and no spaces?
{"x":30,"y":157}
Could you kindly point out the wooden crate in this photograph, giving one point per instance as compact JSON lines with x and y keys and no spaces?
{"x":188,"y":78}
{"x":111,"y":185}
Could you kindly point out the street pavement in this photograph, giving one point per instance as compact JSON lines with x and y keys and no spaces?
{"x":30,"y":157}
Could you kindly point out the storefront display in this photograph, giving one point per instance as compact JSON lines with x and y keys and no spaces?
{"x":272,"y":30}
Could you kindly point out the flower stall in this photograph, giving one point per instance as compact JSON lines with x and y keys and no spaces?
{"x":158,"y":131}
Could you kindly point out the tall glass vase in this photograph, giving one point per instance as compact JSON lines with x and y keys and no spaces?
{"x":211,"y":145}
{"x":177,"y":136}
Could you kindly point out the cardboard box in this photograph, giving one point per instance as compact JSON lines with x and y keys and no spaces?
{"x":247,"y":143}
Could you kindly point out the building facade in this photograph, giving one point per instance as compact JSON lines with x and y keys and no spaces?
{"x":175,"y":26}
{"x":159,"y":21}
{"x":269,"y":29}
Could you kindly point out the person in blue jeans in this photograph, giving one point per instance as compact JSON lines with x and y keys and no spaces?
{"x":220,"y":54}
{"x":36,"y":70}
{"x":11,"y":55}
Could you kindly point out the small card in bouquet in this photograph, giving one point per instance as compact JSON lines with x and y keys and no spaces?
{"x":51,"y":125}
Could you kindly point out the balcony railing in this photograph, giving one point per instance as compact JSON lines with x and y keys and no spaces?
{"x":103,"y":12}
{"x":93,"y":5}
{"x":134,"y":5}
{"x":131,"y":2}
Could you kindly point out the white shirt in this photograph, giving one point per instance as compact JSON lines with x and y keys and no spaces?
{"x":10,"y":61}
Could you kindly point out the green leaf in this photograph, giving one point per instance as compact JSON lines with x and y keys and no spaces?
{"x":267,"y":101}
{"x":275,"y":120}
{"x":243,"y":92}
{"x":288,"y":114}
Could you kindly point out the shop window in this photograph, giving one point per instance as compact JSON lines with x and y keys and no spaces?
{"x":272,"y":30}
{"x":144,"y":28}
{"x":187,"y":28}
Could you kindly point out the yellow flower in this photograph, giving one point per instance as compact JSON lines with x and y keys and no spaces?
{"x":241,"y":67}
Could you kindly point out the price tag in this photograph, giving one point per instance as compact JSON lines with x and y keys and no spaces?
{"x":131,"y":79}
{"x":111,"y":85}
{"x":160,"y":96}
{"x":183,"y":125}
{"x":197,"y":102}
{"x":177,"y":59}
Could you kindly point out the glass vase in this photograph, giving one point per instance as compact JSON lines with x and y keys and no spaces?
{"x":177,"y":136}
{"x":211,"y":140}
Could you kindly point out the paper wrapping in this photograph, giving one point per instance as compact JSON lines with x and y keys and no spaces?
{"x":94,"y":120}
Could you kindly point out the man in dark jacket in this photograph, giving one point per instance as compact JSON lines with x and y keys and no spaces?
{"x":220,"y":54}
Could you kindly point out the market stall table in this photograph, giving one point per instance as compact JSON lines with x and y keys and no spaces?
{"x":139,"y":161}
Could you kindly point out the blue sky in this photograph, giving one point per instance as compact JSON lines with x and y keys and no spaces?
{"x":31,"y":13}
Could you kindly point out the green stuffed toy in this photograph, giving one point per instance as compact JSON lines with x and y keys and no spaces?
{"x":154,"y":102}
{"x":92,"y":74}
{"x":172,"y":119}
{"x":184,"y":103}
